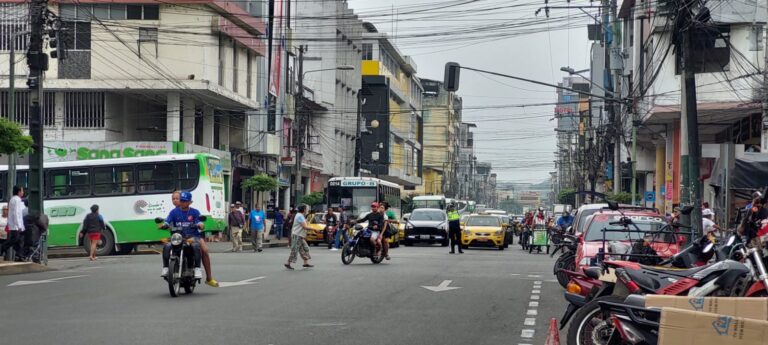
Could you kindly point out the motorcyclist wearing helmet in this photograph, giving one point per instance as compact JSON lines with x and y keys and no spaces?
{"x":565,"y":221}
{"x":188,"y":219}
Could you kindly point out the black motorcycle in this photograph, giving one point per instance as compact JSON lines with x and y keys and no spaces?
{"x":181,"y":265}
{"x":567,"y":244}
{"x":360,"y":246}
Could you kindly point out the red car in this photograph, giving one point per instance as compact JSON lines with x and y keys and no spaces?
{"x":591,"y":240}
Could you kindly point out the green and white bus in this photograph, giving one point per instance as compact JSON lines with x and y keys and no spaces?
{"x":130,"y":192}
{"x":355,"y":194}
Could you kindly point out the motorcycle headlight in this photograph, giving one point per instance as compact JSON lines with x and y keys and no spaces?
{"x":176,"y":239}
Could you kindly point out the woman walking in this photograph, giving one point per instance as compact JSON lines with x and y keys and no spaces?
{"x":298,"y":239}
{"x":93,"y":225}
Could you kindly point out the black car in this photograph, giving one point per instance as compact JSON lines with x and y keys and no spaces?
{"x":426,"y":225}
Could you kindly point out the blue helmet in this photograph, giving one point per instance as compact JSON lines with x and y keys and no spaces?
{"x":185,"y":196}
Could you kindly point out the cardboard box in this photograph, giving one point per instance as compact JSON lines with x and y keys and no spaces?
{"x":685,"y":327}
{"x":746,"y":307}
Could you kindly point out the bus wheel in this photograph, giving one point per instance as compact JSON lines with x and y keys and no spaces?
{"x":125,"y":249}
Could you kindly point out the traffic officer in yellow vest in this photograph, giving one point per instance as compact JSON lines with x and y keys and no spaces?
{"x":454,"y":228}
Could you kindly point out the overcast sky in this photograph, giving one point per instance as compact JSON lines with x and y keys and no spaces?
{"x":502,"y":36}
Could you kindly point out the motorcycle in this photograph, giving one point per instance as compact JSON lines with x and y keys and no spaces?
{"x":525,"y":237}
{"x":567,"y":244}
{"x":181,"y":265}
{"x":633,"y":323}
{"x":360,"y":246}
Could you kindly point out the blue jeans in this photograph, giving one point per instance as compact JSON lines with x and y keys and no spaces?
{"x":278,"y":230}
{"x":339,"y":233}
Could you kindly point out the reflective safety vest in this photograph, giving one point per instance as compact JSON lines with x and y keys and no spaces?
{"x":453,"y":215}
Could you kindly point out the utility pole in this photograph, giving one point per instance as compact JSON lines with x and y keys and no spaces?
{"x":37,"y":61}
{"x":300,"y":123}
{"x":690,"y":153}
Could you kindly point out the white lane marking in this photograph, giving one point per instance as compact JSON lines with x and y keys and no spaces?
{"x":527,"y":333}
{"x":530,"y":321}
{"x":442,"y":287}
{"x":240,"y":283}
{"x":327,"y":324}
{"x":44,"y":281}
{"x":534,"y":276}
{"x":533,"y":304}
{"x":538,"y":282}
{"x":515,"y":274}
{"x":535,"y":291}
{"x":535,"y":297}
{"x":532,"y":312}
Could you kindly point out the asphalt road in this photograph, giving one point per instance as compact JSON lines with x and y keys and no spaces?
{"x":123,"y":300}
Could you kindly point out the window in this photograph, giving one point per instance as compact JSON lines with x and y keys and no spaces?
{"x":367,"y":51}
{"x":76,"y":35}
{"x":113,"y":180}
{"x":151,"y":12}
{"x":13,"y":19}
{"x":155,"y":178}
{"x":86,"y":12}
{"x":134,"y":12}
{"x":21,"y":114}
{"x":148,"y":36}
{"x":84,"y":109}
{"x":290,"y":83}
{"x":69,"y":182}
{"x":117,"y":12}
{"x":187,"y":174}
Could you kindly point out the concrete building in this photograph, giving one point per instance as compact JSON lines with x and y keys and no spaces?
{"x":466,"y":166}
{"x":442,"y":116}
{"x":391,"y":104}
{"x":573,"y":118}
{"x":331,"y":94}
{"x":140,"y":74}
{"x":728,"y":91}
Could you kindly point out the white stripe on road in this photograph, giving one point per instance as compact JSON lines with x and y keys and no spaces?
{"x":535,"y":291}
{"x":533,"y":304}
{"x":535,"y":297}
{"x":530,"y":321}
{"x":527,"y":333}
{"x":534,"y":276}
{"x":532,"y":312}
{"x":538,"y":282}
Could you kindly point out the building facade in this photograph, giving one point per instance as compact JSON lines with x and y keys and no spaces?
{"x":442,"y":118}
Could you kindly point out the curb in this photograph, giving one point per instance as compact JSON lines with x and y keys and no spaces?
{"x":21,"y":268}
{"x":83,"y":254}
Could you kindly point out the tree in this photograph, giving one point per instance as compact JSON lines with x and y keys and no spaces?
{"x":622,"y":198}
{"x":13,"y":139}
{"x":567,"y":196}
{"x":260,"y":183}
{"x":313,"y":199}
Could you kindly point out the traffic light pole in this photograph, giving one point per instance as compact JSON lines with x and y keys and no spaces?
{"x":37,"y":61}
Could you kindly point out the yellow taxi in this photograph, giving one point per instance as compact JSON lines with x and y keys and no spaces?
{"x":401,"y":228}
{"x":316,"y":222}
{"x":483,"y":231}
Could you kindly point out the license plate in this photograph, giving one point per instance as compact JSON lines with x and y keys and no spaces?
{"x":482,"y":239}
{"x":424,"y":237}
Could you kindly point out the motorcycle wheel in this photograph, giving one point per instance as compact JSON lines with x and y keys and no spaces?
{"x":588,"y":326}
{"x":173,"y":282}
{"x":377,"y":259}
{"x":189,"y":288}
{"x":567,"y":262}
{"x":347,"y":254}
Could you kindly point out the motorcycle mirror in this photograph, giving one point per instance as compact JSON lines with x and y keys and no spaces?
{"x":708,"y":248}
{"x":159,"y":220}
{"x":686,"y":209}
{"x":202,"y":218}
{"x":614,"y":206}
{"x":731,"y":240}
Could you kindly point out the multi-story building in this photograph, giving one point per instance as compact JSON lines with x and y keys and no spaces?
{"x":391,"y":103}
{"x":572,"y":114}
{"x":332,"y":81}
{"x":442,"y":116}
{"x":466,"y":166}
{"x":727,"y":59}
{"x":139,"y":76}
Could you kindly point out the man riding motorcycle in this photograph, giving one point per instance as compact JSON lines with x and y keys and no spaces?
{"x":375,"y":221}
{"x":188,"y":219}
{"x":565,"y":221}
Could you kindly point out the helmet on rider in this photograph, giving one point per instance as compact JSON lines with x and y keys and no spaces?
{"x":185,"y":196}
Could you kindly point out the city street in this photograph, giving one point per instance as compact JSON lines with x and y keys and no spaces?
{"x":482,"y":297}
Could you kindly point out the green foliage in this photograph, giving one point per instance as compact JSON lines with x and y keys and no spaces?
{"x":622,"y":197}
{"x":313,"y":199}
{"x":261,"y":183}
{"x":567,"y":196}
{"x":13,"y":139}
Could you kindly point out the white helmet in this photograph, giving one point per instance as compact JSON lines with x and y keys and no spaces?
{"x":707,"y":212}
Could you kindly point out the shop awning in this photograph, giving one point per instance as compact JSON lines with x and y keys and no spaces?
{"x":749,"y":173}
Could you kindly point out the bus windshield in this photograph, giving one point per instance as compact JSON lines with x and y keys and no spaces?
{"x":354,"y":200}
{"x":439,"y":204}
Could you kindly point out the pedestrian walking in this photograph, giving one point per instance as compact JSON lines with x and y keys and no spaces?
{"x":93,"y":225}
{"x":236,"y":221}
{"x":299,"y":244}
{"x":15,"y":224}
{"x":3,"y":227}
{"x":257,"y":224}
{"x":454,"y":229}
{"x":279,"y":223}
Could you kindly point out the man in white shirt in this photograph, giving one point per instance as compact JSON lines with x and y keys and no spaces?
{"x":707,"y":222}
{"x":15,"y":223}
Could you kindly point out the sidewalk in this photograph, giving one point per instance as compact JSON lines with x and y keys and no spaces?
{"x":9,"y":267}
{"x":224,"y":247}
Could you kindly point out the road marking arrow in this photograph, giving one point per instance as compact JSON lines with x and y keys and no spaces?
{"x":44,"y":281}
{"x":240,"y":283}
{"x":442,"y":287}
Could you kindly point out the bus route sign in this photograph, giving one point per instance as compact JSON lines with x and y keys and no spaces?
{"x":357,"y":183}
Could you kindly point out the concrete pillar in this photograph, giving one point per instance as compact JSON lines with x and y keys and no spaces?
{"x":208,"y":126}
{"x":224,"y":130}
{"x":58,"y":114}
{"x":659,"y":174}
{"x":669,"y":153}
{"x":188,"y":112}
{"x":173,"y":117}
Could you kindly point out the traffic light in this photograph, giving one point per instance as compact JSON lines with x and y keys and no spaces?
{"x":451,"y":79}
{"x":55,"y":42}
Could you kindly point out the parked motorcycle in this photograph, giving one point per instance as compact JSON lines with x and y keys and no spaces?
{"x":360,"y":246}
{"x":567,"y":245}
{"x":181,"y":265}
